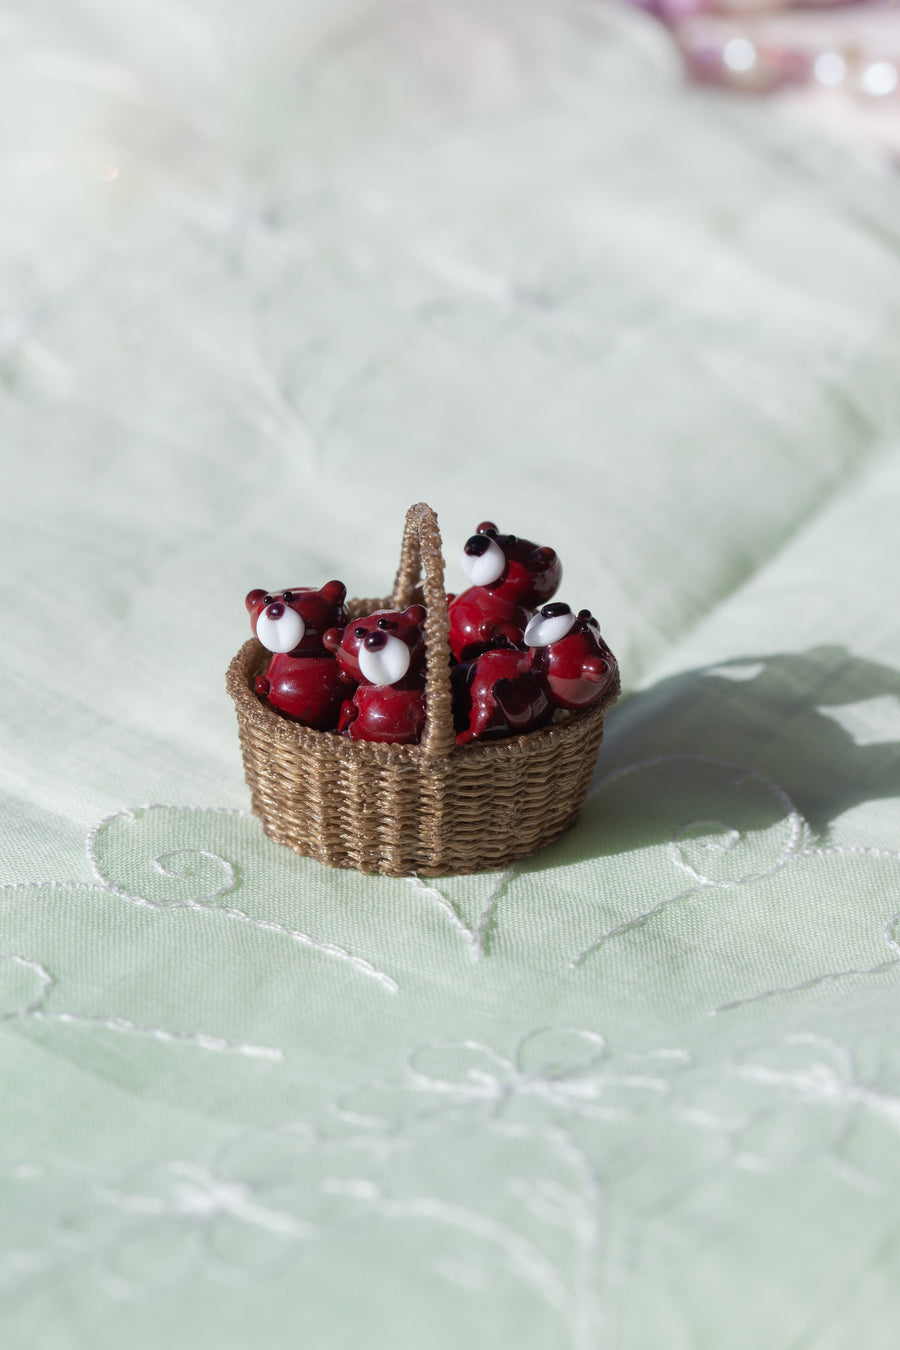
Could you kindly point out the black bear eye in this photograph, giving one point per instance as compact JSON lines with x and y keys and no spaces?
{"x":287,"y":596}
{"x":555,"y":609}
{"x":268,"y":599}
{"x":385,"y":623}
{"x":359,"y":632}
{"x":511,"y":540}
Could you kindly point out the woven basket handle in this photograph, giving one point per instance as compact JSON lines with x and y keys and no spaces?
{"x":421,"y":560}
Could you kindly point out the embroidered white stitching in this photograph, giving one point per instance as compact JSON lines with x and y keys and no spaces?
{"x":160,"y":863}
{"x":742,"y":773}
{"x":838,"y":850}
{"x":571,"y":1291}
{"x":579,"y":1087}
{"x":51,"y":886}
{"x":830,"y":978}
{"x":199,"y":1038}
{"x":820,"y":1084}
{"x":37,"y":1012}
{"x":182,"y":1201}
{"x":207,"y":902}
{"x":636,"y":922}
{"x":477,"y":937}
{"x":195,"y":1193}
{"x":848,"y":850}
{"x":576,"y":1087}
{"x":524,"y":1258}
{"x":448,"y":906}
{"x":44,"y":977}
{"x":732,"y":837}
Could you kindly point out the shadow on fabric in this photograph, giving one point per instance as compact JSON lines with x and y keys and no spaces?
{"x":822,"y":724}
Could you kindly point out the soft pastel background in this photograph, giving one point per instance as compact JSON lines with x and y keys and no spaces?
{"x":272,"y":272}
{"x":835,"y":63}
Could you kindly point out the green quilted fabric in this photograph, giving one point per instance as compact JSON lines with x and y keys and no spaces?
{"x":272,"y":274}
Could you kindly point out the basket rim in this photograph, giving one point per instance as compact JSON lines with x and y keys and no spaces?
{"x":254,"y":711}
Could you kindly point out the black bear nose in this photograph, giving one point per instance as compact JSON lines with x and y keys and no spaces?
{"x":275,"y":610}
{"x":553,"y":611}
{"x":375,"y":641}
{"x":477,"y":545}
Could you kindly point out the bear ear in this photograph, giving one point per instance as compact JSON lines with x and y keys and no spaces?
{"x":331,"y":639}
{"x":543,"y":558}
{"x":415,"y":614}
{"x":253,"y":599}
{"x":485,"y":526}
{"x":334,"y":592}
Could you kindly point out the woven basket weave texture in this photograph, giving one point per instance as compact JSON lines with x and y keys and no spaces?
{"x":432,"y":808}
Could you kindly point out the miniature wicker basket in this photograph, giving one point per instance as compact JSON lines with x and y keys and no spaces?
{"x":430,"y":808}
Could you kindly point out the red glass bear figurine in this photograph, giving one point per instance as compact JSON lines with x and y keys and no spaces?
{"x":498,"y":694}
{"x":569,"y":656}
{"x":510,"y":579}
{"x":508,"y":690}
{"x":385,"y":652}
{"x":302,"y":679}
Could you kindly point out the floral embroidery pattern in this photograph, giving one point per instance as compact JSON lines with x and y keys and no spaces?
{"x":235,"y":1219}
{"x":268,"y":1196}
{"x":40,"y":983}
{"x":184,"y":865}
{"x":791,"y":1102}
{"x":554,"y":1073}
{"x":493,"y":1157}
{"x":709,"y":852}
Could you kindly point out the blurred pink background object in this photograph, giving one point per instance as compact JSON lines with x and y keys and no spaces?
{"x":837,"y":60}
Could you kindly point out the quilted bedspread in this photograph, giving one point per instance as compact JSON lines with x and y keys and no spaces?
{"x":272,"y":272}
